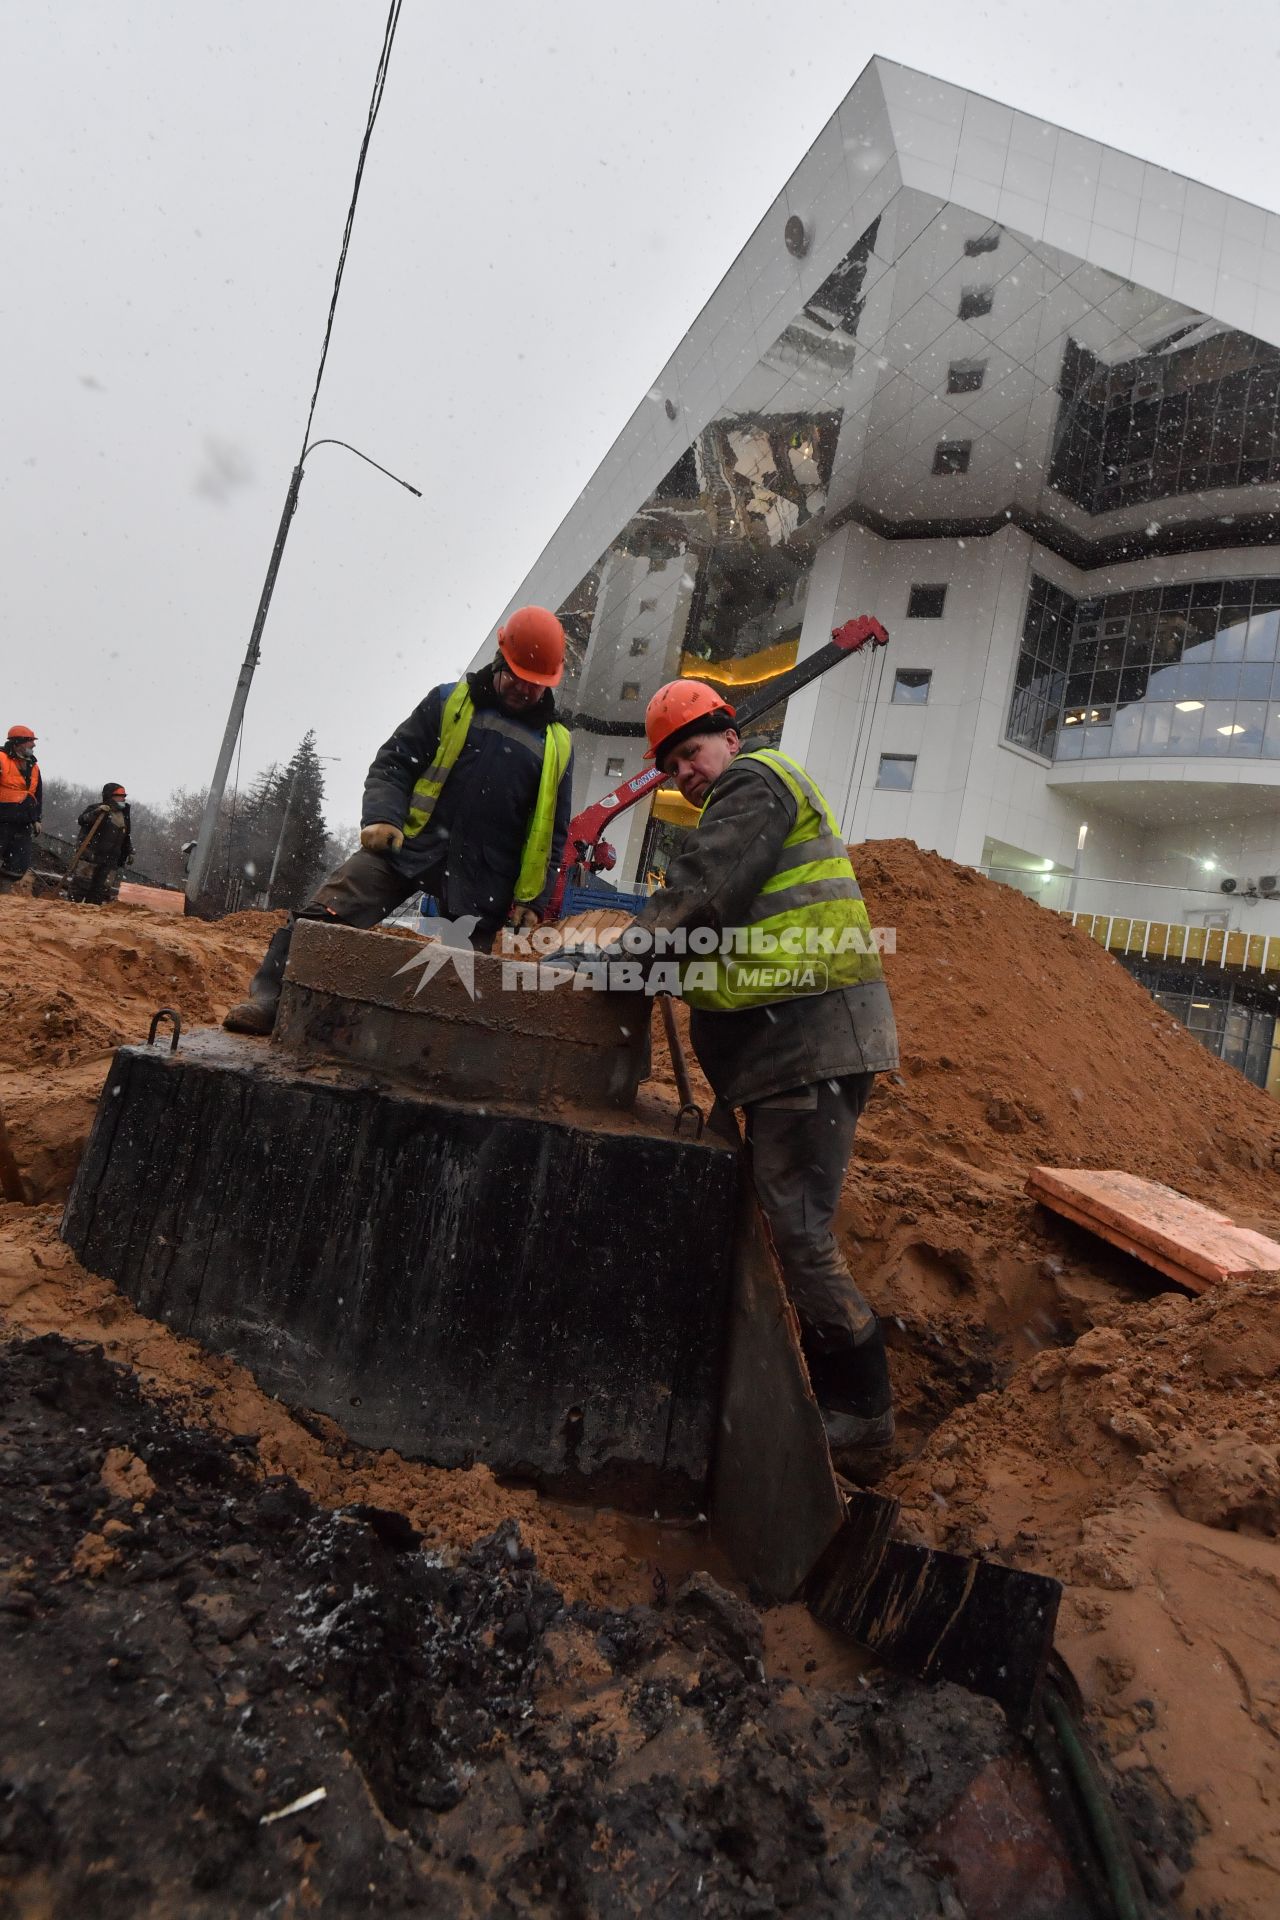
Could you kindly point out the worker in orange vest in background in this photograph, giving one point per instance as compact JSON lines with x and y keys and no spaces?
{"x":21,"y":804}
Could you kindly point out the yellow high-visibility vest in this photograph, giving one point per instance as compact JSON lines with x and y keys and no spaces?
{"x":455,"y":724}
{"x":807,"y":930}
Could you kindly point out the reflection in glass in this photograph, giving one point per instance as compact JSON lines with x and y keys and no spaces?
{"x":897,"y":770}
{"x":1205,"y":644}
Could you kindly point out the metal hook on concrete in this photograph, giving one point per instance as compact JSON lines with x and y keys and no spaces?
{"x":165,"y":1013}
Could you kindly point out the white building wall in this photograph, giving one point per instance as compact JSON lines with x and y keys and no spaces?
{"x":970,"y":784}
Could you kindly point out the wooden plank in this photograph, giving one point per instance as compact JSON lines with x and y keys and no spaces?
{"x":1137,"y":936}
{"x":775,"y":1505}
{"x":1235,"y":949}
{"x":939,"y":1616}
{"x":1184,"y":1277}
{"x":1273,"y":954}
{"x":1190,"y":1242}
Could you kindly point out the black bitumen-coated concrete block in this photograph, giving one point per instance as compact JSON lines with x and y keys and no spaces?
{"x":459,"y":1283}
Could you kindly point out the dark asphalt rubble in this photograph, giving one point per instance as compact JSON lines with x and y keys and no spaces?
{"x":187,"y":1646}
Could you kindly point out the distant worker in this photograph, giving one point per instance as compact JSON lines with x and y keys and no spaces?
{"x":468,"y":801}
{"x":795,"y":1040}
{"x":106,"y":841}
{"x":21,"y":804}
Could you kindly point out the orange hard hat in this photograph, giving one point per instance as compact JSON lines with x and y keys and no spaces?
{"x":21,"y":733}
{"x":532,"y":644}
{"x":675,"y":708}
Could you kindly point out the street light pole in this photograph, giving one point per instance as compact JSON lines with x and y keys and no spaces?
{"x":198,"y":868}
{"x":235,"y":718}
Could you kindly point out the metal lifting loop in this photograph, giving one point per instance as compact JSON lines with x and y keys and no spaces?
{"x":165,"y":1013}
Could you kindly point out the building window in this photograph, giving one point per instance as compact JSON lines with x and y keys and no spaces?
{"x":613,"y":767}
{"x":926,"y":603}
{"x":897,"y":771}
{"x":911,"y":686}
{"x":966,"y":376}
{"x":630,"y":690}
{"x":1182,"y":670}
{"x":982,"y":243}
{"x":975,"y":301}
{"x":952,"y":456}
{"x":639,"y":646}
{"x":1040,"y":678}
{"x":1162,"y":424}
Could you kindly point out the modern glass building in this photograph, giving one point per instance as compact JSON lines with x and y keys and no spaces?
{"x":1017,"y":394}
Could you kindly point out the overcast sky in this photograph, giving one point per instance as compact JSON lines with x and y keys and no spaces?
{"x":552,"y":193}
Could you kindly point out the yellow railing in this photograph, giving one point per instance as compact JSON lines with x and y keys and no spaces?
{"x":1197,"y":946}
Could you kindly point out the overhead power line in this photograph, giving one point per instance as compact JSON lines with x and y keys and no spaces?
{"x":235,"y":719}
{"x":375,"y":102}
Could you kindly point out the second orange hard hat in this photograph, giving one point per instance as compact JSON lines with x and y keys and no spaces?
{"x":676,"y":707}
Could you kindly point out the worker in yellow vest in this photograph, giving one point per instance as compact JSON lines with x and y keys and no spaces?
{"x":790,"y":1019}
{"x":468,"y":801}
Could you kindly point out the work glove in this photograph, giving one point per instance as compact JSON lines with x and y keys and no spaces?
{"x":524,"y":916}
{"x":381,"y":838}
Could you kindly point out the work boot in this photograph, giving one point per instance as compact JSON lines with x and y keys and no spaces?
{"x":861,"y":1445}
{"x":257,"y":1014}
{"x":856,"y":1400}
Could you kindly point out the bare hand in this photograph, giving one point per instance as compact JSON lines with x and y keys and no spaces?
{"x":380,"y":838}
{"x":523,"y":917}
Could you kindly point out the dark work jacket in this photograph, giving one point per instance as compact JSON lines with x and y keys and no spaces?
{"x":111,"y":845}
{"x":468,"y":855}
{"x":759,"y":1051}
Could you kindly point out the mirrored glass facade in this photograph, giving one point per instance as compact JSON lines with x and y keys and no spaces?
{"x":1177,"y":670}
{"x":1019,"y":396}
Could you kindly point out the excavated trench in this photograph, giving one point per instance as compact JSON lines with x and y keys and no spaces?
{"x":1062,"y":1413}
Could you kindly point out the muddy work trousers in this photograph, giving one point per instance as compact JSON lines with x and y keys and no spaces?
{"x":15,"y":844}
{"x":800,"y":1143}
{"x":362,"y":891}
{"x":91,"y":884}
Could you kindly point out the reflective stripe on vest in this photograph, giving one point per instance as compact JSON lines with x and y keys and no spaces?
{"x":15,"y":785}
{"x":807,"y":930}
{"x":455,"y":724}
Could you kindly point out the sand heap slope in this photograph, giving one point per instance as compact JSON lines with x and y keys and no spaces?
{"x":78,"y":981}
{"x":1023,"y":1040}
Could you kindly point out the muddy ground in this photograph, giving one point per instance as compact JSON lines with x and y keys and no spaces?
{"x":224,"y":1698}
{"x":1063,"y":1410}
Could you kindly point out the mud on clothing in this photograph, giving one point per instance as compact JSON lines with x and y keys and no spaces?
{"x":112,"y":843}
{"x":803,"y":1070}
{"x":469,"y":855}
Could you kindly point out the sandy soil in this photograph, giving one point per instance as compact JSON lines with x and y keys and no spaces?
{"x":1062,"y":1409}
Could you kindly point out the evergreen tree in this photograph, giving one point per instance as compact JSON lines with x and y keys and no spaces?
{"x":298,"y":854}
